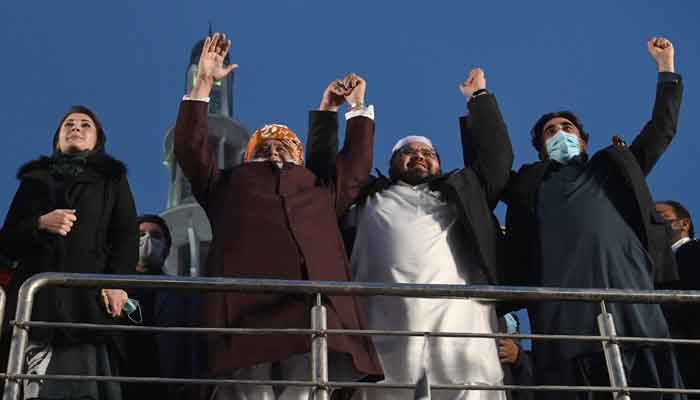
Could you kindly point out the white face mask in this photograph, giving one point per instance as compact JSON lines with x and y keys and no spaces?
{"x":151,"y":250}
{"x":563,"y":146}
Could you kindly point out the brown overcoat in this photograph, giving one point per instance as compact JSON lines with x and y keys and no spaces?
{"x":271,"y":222}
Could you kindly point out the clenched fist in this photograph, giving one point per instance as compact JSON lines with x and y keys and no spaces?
{"x":475,"y":81}
{"x":508,"y":351}
{"x":356,"y":87}
{"x":333,"y":96}
{"x":661,"y":49}
{"x":59,"y":222}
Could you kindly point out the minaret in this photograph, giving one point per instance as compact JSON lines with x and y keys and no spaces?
{"x":227,"y":137}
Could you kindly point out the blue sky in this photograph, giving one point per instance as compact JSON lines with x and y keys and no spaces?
{"x":127,"y":61}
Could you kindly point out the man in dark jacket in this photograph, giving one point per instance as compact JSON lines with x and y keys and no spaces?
{"x":590,"y":223}
{"x":273,"y":218}
{"x":516,"y":361}
{"x":420,"y":225}
{"x":683,"y":318}
{"x":143,"y":347}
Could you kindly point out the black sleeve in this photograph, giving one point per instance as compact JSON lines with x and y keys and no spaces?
{"x":522,"y":369}
{"x":20,"y":233}
{"x":123,"y":231}
{"x":322,"y":144}
{"x":657,"y":134}
{"x":486,"y":146}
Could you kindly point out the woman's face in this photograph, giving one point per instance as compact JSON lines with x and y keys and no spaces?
{"x":78,"y":133}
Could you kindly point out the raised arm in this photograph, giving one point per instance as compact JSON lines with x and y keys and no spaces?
{"x":486,"y":146}
{"x":191,"y":129}
{"x":322,"y":141}
{"x":657,"y":134}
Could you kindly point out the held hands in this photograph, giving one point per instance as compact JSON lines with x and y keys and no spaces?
{"x":661,"y":49}
{"x":59,"y":222}
{"x":352,"y":89}
{"x":475,"y":81}
{"x":333,"y":96}
{"x":114,"y":300}
{"x":211,"y":66}
{"x":356,"y":87}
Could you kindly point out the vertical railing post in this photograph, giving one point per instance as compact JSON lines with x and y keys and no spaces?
{"x":20,"y":338}
{"x":3,"y":301}
{"x":319,"y":351}
{"x":613,"y":356}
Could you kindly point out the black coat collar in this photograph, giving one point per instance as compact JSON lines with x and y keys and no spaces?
{"x":100,"y":166}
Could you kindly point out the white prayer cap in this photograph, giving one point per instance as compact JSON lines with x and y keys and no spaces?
{"x":412,"y":139}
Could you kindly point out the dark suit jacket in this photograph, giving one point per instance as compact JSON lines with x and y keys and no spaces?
{"x":633,"y":200}
{"x":270,"y":222}
{"x":683,"y":318}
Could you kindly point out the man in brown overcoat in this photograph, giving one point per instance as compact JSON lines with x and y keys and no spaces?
{"x":273,"y":218}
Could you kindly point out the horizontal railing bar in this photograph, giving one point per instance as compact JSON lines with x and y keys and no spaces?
{"x":341,"y":384}
{"x":520,"y":293}
{"x":350,"y":332}
{"x":130,"y":328}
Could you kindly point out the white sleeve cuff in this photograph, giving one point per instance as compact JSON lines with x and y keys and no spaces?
{"x":361,"y":112}
{"x":187,"y":97}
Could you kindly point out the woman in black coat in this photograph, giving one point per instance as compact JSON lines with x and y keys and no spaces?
{"x":73,"y":212}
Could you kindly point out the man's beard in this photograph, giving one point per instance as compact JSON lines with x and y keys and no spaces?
{"x":414,"y":177}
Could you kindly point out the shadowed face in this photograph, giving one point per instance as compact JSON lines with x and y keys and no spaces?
{"x":155,"y":231}
{"x":680,"y":227}
{"x":275,"y":151}
{"x":78,"y":133}
{"x":414,"y":163}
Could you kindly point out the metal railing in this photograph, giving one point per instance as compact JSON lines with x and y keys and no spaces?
{"x":3,"y":301}
{"x":319,"y":332}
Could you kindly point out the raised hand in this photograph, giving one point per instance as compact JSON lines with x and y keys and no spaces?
{"x":59,"y":222}
{"x":661,"y":49}
{"x":333,"y":96}
{"x":476,"y":80}
{"x":211,"y":66}
{"x":356,"y":88}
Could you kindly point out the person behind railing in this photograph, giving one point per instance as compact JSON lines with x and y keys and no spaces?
{"x":142,"y":355}
{"x":576,"y":221}
{"x":73,"y":212}
{"x":273,"y":218}
{"x":683,"y":318}
{"x":420,"y":225}
{"x":516,"y":361}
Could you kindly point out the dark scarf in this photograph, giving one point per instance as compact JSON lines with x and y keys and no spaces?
{"x":69,"y":165}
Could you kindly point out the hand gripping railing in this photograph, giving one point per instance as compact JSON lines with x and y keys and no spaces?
{"x":319,"y":381}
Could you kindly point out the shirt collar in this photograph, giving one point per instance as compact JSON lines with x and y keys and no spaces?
{"x":680,"y":243}
{"x":421,"y":186}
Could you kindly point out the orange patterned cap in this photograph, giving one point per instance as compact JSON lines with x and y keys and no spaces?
{"x":276,"y":132}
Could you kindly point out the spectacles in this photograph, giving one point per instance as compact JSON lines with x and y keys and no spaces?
{"x":425,"y":153}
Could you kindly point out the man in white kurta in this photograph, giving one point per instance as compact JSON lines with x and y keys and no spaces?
{"x":408,"y":233}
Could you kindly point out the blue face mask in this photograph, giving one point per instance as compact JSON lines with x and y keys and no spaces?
{"x":130,"y":308}
{"x":511,"y":323}
{"x":563,"y":146}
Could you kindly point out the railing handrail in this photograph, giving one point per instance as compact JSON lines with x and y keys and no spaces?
{"x":491,"y":292}
{"x":608,"y":337}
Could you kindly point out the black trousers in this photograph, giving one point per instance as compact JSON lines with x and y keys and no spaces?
{"x":645,"y":367}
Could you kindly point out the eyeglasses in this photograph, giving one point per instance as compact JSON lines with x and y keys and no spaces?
{"x":425,"y":153}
